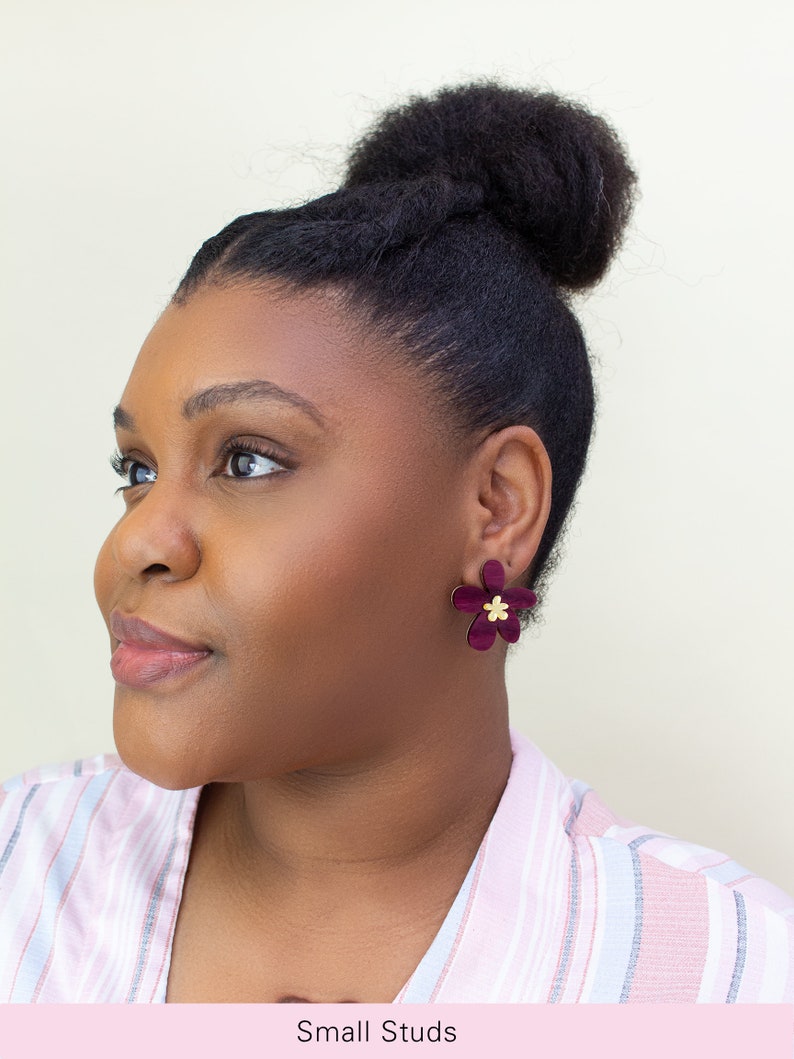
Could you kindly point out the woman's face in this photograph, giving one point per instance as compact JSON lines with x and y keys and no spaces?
{"x":290,"y":530}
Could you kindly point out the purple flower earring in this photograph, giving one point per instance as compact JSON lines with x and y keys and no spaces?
{"x":494,"y":607}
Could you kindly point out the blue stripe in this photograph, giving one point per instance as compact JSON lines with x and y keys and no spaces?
{"x":17,"y":828}
{"x":617,"y":885}
{"x":635,"y":944}
{"x":574,"y":912}
{"x":40,"y":945}
{"x":153,"y":909}
{"x":741,"y":947}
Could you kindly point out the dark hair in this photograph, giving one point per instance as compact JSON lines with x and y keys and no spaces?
{"x":463,"y":223}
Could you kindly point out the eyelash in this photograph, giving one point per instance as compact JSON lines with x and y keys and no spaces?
{"x":234,"y":446}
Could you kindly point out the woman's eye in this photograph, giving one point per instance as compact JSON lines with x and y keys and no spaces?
{"x":250,"y":465}
{"x":138,"y":473}
{"x":132,"y":471}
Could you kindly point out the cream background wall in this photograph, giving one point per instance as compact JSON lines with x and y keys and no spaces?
{"x":662,"y":674}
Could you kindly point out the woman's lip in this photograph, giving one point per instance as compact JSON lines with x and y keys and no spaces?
{"x":141,"y":667}
{"x":139,"y":633}
{"x":146,"y":655}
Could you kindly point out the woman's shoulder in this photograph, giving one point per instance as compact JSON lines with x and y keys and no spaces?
{"x":92,"y":858}
{"x":704,"y":927}
{"x":611,"y":845}
{"x":676,"y":863}
{"x":45,"y":808}
{"x":637,"y":914}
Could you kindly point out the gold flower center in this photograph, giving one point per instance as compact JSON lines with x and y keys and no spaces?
{"x":497,"y":608}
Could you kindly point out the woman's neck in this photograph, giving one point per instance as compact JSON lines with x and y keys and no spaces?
{"x":330,"y":884}
{"x":406,"y":812}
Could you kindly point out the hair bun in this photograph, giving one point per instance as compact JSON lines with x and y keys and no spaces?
{"x":550,"y":170}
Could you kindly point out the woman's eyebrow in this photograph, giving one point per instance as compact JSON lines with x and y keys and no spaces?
{"x":213,"y":397}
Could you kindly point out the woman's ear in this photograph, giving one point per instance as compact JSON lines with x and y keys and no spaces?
{"x":512,"y":479}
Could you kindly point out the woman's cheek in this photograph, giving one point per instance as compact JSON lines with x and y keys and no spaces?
{"x":104,"y":577}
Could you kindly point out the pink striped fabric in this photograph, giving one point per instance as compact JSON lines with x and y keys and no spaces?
{"x":564,"y":903}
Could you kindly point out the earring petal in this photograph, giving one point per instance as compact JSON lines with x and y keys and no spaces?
{"x":493,"y":576}
{"x":469,"y":598}
{"x":510,"y":628}
{"x":519,"y":598}
{"x":482,"y":632}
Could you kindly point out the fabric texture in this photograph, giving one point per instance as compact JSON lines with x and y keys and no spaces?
{"x":564,"y":902}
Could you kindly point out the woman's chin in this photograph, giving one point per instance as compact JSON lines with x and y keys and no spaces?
{"x":169,"y":767}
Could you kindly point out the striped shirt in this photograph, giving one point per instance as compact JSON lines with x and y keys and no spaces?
{"x":564,"y":902}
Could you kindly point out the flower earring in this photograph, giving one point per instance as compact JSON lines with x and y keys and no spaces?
{"x":494,"y":607}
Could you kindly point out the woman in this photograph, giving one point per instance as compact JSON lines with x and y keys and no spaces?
{"x":348,"y":448}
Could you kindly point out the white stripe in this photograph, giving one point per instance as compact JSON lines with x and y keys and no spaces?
{"x":119,"y":911}
{"x":526,"y":871}
{"x":597,"y":894}
{"x":777,"y":960}
{"x":715,"y":896}
{"x":553,"y":882}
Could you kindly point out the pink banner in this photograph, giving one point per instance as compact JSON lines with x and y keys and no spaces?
{"x":218,"y":1031}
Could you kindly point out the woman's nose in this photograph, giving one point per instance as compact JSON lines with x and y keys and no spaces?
{"x":156,"y":538}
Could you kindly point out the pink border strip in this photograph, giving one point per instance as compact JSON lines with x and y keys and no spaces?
{"x":211,"y":1031}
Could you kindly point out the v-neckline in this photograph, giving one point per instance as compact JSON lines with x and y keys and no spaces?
{"x":422,"y":982}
